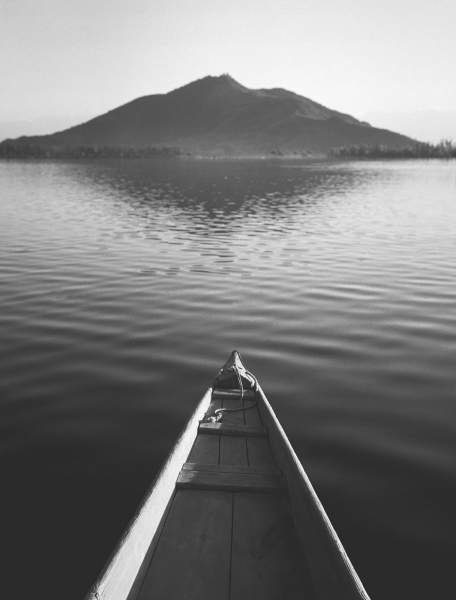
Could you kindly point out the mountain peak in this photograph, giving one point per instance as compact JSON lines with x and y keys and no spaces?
{"x":210,"y":83}
{"x":216,"y":115}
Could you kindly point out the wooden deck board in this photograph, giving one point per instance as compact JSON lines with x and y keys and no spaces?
{"x":236,"y":416}
{"x":231,"y":482}
{"x":233,"y":450}
{"x":259,"y":453}
{"x":192,"y":559}
{"x":252,"y":415}
{"x":206,"y":449}
{"x":267,"y":560}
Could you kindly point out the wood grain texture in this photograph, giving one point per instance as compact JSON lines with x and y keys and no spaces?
{"x":259,"y":453}
{"x":222,"y":394}
{"x":119,"y":575}
{"x":233,"y":450}
{"x":231,"y":469}
{"x":233,"y":416}
{"x":267,"y":558}
{"x":252,"y":416}
{"x":232,"y":429}
{"x":231,"y":482}
{"x":332,"y":573}
{"x":206,"y":449}
{"x":192,"y":559}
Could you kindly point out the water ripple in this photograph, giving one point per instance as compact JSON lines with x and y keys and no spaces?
{"x":126,"y":283}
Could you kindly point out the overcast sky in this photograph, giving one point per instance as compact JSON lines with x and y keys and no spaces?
{"x":79,"y":58}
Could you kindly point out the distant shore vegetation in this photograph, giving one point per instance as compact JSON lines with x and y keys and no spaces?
{"x":17,"y":150}
{"x":444,"y":149}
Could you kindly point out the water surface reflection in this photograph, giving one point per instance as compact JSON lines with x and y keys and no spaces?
{"x":126,"y":284}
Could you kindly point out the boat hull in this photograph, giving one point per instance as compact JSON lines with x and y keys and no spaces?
{"x":232,"y":514}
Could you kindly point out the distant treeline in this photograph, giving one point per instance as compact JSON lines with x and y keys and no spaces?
{"x":15,"y":150}
{"x":445,"y":149}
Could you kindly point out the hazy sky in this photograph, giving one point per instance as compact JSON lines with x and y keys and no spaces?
{"x":67,"y":59}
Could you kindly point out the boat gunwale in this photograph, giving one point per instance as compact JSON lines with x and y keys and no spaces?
{"x":343,"y":582}
{"x":119,"y":576}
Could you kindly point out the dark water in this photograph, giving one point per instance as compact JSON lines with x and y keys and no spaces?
{"x":124,"y":287}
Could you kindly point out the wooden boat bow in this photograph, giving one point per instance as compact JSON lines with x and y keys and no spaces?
{"x":231,"y":515}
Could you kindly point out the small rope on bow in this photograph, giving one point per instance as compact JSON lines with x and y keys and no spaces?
{"x":221,"y":412}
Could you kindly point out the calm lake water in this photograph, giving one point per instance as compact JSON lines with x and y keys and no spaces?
{"x":124,"y":287}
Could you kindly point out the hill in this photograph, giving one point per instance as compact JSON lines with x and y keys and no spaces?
{"x":219,"y":116}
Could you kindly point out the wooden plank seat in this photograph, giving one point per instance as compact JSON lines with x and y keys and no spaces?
{"x":232,"y":429}
{"x":269,"y":470}
{"x":235,"y":479}
{"x":219,"y":394}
